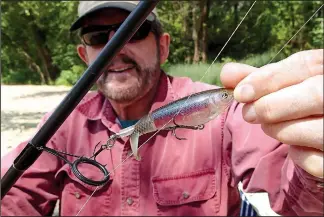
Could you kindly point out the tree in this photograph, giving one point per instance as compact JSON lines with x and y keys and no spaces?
{"x":36,"y":34}
{"x":37,"y":47}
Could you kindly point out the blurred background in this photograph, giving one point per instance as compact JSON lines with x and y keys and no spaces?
{"x":37,"y":48}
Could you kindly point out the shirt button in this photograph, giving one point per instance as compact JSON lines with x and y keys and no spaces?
{"x":77,"y":195}
{"x":185,"y":195}
{"x":130,"y":201}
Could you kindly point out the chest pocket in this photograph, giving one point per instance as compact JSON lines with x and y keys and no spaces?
{"x":75,"y":193}
{"x":187,"y":194}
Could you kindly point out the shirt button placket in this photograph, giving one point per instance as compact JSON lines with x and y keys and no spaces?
{"x":130,"y":184}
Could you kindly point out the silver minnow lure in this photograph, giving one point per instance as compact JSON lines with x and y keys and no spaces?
{"x":187,"y":112}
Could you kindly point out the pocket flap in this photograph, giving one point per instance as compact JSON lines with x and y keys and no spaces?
{"x":185,"y":188}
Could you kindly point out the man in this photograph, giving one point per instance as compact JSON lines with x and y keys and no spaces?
{"x":276,"y":104}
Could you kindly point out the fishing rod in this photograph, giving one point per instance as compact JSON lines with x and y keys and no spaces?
{"x":37,"y":144}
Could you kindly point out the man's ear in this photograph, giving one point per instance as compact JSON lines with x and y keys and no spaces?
{"x":164,"y":47}
{"x":82,"y":52}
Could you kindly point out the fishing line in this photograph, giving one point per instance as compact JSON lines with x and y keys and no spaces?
{"x":193,"y":93}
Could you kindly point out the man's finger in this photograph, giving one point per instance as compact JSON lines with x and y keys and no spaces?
{"x":309,"y":159}
{"x":306,"y":132}
{"x":276,"y":76}
{"x":233,"y":73}
{"x":294,"y":102}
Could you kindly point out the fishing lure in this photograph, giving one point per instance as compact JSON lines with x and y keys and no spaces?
{"x":190,"y":112}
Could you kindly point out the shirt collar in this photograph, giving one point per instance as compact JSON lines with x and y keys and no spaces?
{"x":95,"y":106}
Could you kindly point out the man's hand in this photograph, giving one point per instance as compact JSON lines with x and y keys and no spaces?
{"x":286,"y":98}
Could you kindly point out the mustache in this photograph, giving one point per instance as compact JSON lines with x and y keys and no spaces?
{"x":126,"y":60}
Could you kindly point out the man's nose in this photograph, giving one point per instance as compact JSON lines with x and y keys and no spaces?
{"x":111,"y":34}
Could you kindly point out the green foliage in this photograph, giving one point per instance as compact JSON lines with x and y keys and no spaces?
{"x":210,"y":73}
{"x":261,"y":59}
{"x":70,"y":77}
{"x":37,"y":48}
{"x":36,"y":44}
{"x":173,"y":15}
{"x":317,"y":33}
{"x":198,"y":72}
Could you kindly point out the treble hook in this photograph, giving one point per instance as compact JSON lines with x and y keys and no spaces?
{"x":96,"y":153}
{"x":198,"y":127}
{"x":110,"y":143}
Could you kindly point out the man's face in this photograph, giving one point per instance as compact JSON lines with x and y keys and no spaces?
{"x":134,"y":70}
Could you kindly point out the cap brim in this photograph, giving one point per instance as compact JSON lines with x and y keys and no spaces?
{"x":120,"y":5}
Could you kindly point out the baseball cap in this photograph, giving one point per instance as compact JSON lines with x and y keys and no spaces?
{"x":88,"y":7}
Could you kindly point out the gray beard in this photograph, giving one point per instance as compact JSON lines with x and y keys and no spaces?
{"x":148,"y":77}
{"x":147,"y":80}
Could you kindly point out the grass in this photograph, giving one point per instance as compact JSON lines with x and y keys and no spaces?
{"x":198,"y":72}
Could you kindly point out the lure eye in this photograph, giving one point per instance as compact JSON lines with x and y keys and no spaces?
{"x":224,"y":95}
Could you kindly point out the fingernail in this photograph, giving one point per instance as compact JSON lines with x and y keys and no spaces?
{"x":244,"y":93}
{"x":250,"y":114}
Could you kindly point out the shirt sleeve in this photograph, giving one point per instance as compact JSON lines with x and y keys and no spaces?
{"x":263,"y":165}
{"x":35,"y":193}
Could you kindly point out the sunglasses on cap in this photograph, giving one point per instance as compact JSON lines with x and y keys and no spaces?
{"x":99,"y":34}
